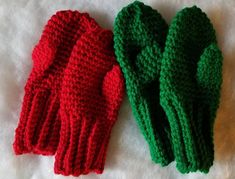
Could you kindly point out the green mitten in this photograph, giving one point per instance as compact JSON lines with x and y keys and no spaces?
{"x":190,"y":81}
{"x":139,"y":39}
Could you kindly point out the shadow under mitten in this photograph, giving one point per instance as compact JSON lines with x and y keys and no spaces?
{"x":92,"y":91}
{"x":190,"y":81}
{"x":39,"y":124}
{"x":139,"y":40}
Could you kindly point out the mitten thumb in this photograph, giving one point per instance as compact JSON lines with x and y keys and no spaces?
{"x":113,"y":90}
{"x":43,"y":55}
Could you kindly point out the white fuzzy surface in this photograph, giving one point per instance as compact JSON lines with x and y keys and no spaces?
{"x":21,"y":24}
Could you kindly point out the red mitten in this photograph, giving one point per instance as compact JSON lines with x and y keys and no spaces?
{"x":39,"y":124}
{"x":92,"y":91}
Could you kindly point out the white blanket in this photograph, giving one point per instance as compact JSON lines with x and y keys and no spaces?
{"x":21,"y":24}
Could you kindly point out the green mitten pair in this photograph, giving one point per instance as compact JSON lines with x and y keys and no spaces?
{"x":173,"y":78}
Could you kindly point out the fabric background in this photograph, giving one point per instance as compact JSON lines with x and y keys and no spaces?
{"x":21,"y":24}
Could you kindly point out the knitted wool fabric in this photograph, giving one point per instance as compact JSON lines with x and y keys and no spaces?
{"x":93,"y":88}
{"x":139,"y":39}
{"x":39,"y":125}
{"x":190,"y":81}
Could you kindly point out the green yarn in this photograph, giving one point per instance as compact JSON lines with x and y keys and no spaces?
{"x":173,"y":79}
{"x":139,"y":39}
{"x":190,"y":81}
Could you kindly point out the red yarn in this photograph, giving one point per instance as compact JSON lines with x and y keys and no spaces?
{"x":92,"y":91}
{"x":39,"y":124}
{"x":72,"y":95}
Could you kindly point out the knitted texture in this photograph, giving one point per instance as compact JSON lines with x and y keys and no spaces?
{"x":139,"y":39}
{"x":39,"y":124}
{"x":93,"y":88}
{"x":190,"y":81}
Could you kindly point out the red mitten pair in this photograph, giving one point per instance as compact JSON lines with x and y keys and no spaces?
{"x":72,"y":95}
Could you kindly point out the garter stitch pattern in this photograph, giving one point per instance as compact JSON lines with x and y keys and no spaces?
{"x":190,"y":81}
{"x":39,"y":124}
{"x":92,"y":91}
{"x":139,"y":39}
